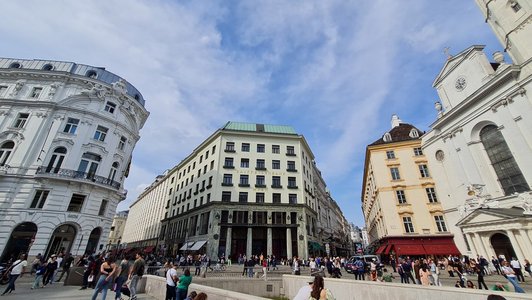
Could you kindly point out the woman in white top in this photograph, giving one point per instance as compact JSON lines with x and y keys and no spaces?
{"x":17,"y":268}
{"x":510,"y":275}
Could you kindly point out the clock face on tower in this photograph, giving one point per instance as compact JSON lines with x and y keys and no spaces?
{"x":460,"y":84}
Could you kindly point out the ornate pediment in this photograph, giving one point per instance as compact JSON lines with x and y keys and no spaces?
{"x":453,"y":62}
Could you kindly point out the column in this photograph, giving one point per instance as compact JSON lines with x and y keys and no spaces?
{"x":289,"y":243}
{"x":269,"y":250}
{"x":481,"y":248}
{"x":249,"y":241}
{"x":515,"y":245}
{"x":228,"y":242}
{"x":524,"y":241}
{"x":469,"y":237}
{"x":489,"y":247}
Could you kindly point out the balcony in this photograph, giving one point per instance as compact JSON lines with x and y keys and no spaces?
{"x":227,"y":184}
{"x":229,"y":150}
{"x":276,"y":186}
{"x":291,"y":170}
{"x":290,"y":154}
{"x":295,"y":187}
{"x":260,"y":185}
{"x":243,"y":184}
{"x":228,"y":167}
{"x":78,"y":175}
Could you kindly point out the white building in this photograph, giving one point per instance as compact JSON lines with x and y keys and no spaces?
{"x":247,"y":189}
{"x":67,"y":132}
{"x":480,"y":146}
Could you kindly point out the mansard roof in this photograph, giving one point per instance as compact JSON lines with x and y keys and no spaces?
{"x":398,"y":134}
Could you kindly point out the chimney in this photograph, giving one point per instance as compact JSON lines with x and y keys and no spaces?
{"x":395,"y":121}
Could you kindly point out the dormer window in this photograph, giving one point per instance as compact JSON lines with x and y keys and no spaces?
{"x":48,"y":67}
{"x":413,"y":133}
{"x":515,"y":6}
{"x":15,"y":65}
{"x":387,"y":137}
{"x":91,"y":74}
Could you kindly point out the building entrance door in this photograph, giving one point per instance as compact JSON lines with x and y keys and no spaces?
{"x":502,"y":246}
{"x":20,"y":241}
{"x":61,"y":240}
{"x":94,"y":238}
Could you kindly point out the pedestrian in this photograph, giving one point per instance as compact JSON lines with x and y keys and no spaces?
{"x":496,"y":264}
{"x":510,"y":275}
{"x":193,"y":295}
{"x":304,"y":291}
{"x":516,"y":265}
{"x":434,"y":273}
{"x":201,"y":296}
{"x":59,"y":265}
{"x":182,"y":285}
{"x":36,"y":264}
{"x":297,"y":270}
{"x":264,"y":268}
{"x":38,"y":276}
{"x":90,"y":266}
{"x":527,"y":267}
{"x":107,"y":271}
{"x":51,"y":266}
{"x":67,"y":263}
{"x":171,"y":279}
{"x":393,"y":263}
{"x":319,"y":292}
{"x":407,"y":268}
{"x":424,"y":275}
{"x":480,"y":278}
{"x":16,"y":271}
{"x":470,"y":285}
{"x":135,"y":273}
{"x":123,"y":271}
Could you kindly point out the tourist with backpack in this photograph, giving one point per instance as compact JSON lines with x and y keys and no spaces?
{"x":136,"y":272}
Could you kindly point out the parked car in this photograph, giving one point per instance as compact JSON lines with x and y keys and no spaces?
{"x":367,"y":259}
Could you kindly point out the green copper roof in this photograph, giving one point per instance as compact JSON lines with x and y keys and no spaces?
{"x":252,"y":127}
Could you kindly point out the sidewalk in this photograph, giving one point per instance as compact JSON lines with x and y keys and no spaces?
{"x":55,"y":291}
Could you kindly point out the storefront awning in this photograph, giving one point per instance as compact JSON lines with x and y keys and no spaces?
{"x":387,"y":250}
{"x":441,"y":249}
{"x":197,"y":246}
{"x":410,"y":250}
{"x":380,"y":250}
{"x":148,"y":249}
{"x":186,"y":246}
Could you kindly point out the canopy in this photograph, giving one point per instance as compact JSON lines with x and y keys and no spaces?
{"x":186,"y":246}
{"x":380,"y":250}
{"x":197,"y":246}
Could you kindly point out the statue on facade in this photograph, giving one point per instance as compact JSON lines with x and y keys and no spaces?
{"x":527,"y":202}
{"x":18,"y":86}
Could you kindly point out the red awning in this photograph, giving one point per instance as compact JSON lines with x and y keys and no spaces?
{"x":441,"y":249}
{"x":381,"y":248}
{"x":387,"y":250}
{"x":148,"y":249}
{"x":410,"y":250}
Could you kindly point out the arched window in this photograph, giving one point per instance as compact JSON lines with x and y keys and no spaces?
{"x":5,"y":151}
{"x":56,"y":160}
{"x":48,"y":67}
{"x":387,"y":137}
{"x":15,"y":65}
{"x":113,"y":171}
{"x":89,"y":164}
{"x":413,"y":133}
{"x":502,"y":160}
{"x":91,"y":74}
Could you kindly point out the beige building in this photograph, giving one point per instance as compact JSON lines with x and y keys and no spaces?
{"x":117,"y":230}
{"x":399,"y":198}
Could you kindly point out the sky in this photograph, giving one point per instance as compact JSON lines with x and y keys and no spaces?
{"x":336,"y":71}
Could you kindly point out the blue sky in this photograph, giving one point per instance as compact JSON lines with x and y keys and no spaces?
{"x":334,"y":70}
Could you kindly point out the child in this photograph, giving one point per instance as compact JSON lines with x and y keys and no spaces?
{"x":387,"y":278}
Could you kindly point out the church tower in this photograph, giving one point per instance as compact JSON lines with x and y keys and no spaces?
{"x":511,"y":21}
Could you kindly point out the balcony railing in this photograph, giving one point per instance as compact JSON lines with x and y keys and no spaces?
{"x":89,"y":177}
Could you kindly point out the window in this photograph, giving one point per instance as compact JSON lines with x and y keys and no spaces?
{"x":5,"y":151}
{"x":39,"y":199}
{"x":91,"y":74}
{"x":101,"y":133}
{"x":21,"y":120}
{"x":71,"y":126}
{"x":418,"y":152}
{"x":440,"y":223}
{"x":292,"y":198}
{"x":245,"y":147}
{"x":260,"y":217}
{"x":244,"y":180}
{"x":229,"y":147}
{"x":114,"y":170}
{"x":407,"y":222}
{"x":508,"y":172}
{"x":103,"y":207}
{"x":244,"y":163}
{"x":276,"y":149}
{"x":276,"y":165}
{"x":213,"y":149}
{"x":290,"y":151}
{"x":401,"y":197}
{"x":122,"y":143}
{"x":54,"y":165}
{"x":413,"y":133}
{"x":36,"y":92}
{"x":212,"y":165}
{"x":292,"y":183}
{"x":3,"y":90}
{"x":260,"y":164}
{"x":395,"y":173}
{"x":276,"y":198}
{"x":228,"y":180}
{"x":259,"y":197}
{"x":15,"y":65}
{"x":387,"y":137}
{"x":276,"y":182}
{"x":89,"y":164}
{"x":48,"y":67}
{"x":424,"y":171}
{"x":431,"y":194}
{"x":515,"y":6}
{"x":76,"y":203}
{"x":260,"y":181}
{"x":243,"y":197}
{"x":228,"y":164}
{"x":110,"y":107}
{"x":226,"y":196}
{"x":390,"y":154}
{"x":261,"y":148}
{"x":291,"y":166}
